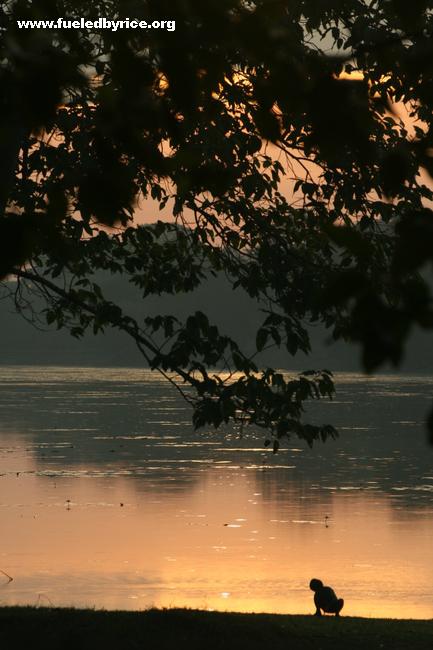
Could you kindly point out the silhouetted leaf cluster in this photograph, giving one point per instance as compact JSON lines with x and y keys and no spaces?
{"x":271,"y":131}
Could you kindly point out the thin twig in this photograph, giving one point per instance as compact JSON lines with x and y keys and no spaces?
{"x":7,"y":576}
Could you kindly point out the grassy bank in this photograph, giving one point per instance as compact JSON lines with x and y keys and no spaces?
{"x":74,"y":629}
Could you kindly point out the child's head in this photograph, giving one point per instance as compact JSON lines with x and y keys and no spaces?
{"x":315,"y":584}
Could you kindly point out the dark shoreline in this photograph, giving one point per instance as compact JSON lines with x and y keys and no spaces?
{"x":37,"y":628}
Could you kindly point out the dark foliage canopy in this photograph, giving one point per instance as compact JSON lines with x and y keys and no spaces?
{"x":292,"y":141}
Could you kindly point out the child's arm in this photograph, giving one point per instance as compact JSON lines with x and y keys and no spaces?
{"x":317,"y":603}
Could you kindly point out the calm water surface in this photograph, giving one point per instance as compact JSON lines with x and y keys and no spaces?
{"x":109,"y":499}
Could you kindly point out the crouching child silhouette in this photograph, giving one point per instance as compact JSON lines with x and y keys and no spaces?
{"x":325,"y":599}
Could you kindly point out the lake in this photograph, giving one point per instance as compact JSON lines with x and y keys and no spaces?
{"x":108,"y":498}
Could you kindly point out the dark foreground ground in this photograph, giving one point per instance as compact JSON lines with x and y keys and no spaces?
{"x":178,"y":629}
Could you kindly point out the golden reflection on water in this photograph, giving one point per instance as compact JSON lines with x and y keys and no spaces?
{"x":222,"y":544}
{"x":108,"y":499}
